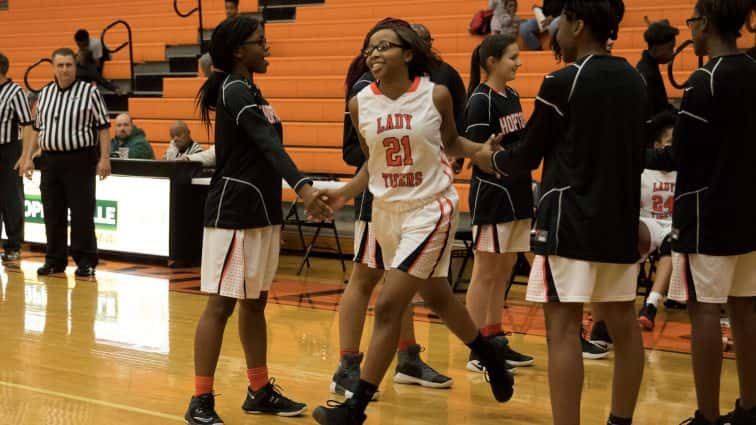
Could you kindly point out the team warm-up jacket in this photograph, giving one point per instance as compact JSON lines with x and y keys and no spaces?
{"x":657,"y":93}
{"x":509,"y":197}
{"x":245,"y":191}
{"x":589,"y":128}
{"x":714,"y":153}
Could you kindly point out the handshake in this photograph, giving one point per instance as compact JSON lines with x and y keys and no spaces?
{"x":321,"y":204}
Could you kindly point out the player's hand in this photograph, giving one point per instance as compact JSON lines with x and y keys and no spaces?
{"x":25,"y":167}
{"x":103,"y":168}
{"x":494,"y":142}
{"x":315,"y":204}
{"x":483,"y":159}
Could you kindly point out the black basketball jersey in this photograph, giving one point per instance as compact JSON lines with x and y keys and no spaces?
{"x":589,"y":128}
{"x":506,"y":198}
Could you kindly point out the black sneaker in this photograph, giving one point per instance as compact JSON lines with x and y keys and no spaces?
{"x":593,"y":351}
{"x":474,"y":364}
{"x":335,"y":413}
{"x":8,"y":256}
{"x":411,"y":369}
{"x":497,"y":374}
{"x":202,"y":411}
{"x":347,"y":376}
{"x":47,"y":269}
{"x":674,"y":305}
{"x":739,"y":416}
{"x":270,"y":400}
{"x":85,"y":271}
{"x":600,"y":335}
{"x":697,"y":419}
{"x":512,"y":357}
{"x":647,"y":317}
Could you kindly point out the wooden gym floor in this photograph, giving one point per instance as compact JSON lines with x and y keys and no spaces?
{"x":119,"y":350}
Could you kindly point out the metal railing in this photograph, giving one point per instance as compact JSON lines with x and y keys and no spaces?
{"x":197,"y":10}
{"x":28,"y":70}
{"x":670,"y":67}
{"x":129,"y":42}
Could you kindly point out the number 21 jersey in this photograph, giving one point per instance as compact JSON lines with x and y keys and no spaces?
{"x":407,"y":160}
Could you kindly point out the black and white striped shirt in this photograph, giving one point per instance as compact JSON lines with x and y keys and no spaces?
{"x":69,"y":119}
{"x":14,"y":112}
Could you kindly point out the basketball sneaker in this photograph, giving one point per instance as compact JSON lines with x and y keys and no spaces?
{"x":269,"y":399}
{"x":647,"y":317}
{"x":600,"y":335}
{"x":512,"y":357}
{"x":498,"y":374}
{"x":739,"y":416}
{"x":474,"y":364}
{"x":411,"y":369}
{"x":347,"y":376}
{"x":698,"y":419}
{"x":202,"y":411}
{"x":336,"y":413}
{"x":593,"y":351}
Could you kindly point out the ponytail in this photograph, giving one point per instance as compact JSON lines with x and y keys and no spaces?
{"x":207,"y":97}
{"x":474,"y":71}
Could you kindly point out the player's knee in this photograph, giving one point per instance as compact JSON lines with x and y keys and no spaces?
{"x":386,"y":310}
{"x":220,"y":308}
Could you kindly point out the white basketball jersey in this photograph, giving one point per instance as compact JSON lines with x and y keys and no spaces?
{"x":657,"y":194}
{"x":407,"y":159}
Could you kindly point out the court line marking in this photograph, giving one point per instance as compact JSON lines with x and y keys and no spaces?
{"x":92,"y":401}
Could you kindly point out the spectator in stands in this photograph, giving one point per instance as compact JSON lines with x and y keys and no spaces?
{"x":84,"y":41}
{"x":86,"y":70}
{"x":504,"y":20}
{"x":660,"y":37}
{"x":181,"y":142}
{"x":129,"y":136}
{"x":205,"y":61}
{"x":530,"y":29}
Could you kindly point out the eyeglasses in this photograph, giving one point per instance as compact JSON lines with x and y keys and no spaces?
{"x":262,"y":42}
{"x":380,"y":47}
{"x":689,"y":22}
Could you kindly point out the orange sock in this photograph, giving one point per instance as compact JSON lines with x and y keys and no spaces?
{"x":405,"y":344}
{"x":348,"y":351}
{"x":491,"y":330}
{"x":258,"y":377}
{"x":203,"y":385}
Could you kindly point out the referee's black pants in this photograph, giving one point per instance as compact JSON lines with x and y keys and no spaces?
{"x":68,"y":182}
{"x":11,"y":196}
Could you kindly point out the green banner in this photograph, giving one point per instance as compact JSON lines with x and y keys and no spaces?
{"x":105,"y":218}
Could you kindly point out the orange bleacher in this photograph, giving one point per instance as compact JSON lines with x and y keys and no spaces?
{"x":309,"y":57}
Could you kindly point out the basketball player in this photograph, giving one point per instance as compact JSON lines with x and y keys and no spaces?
{"x":589,"y":128}
{"x":242,"y":218}
{"x":714,"y":245}
{"x":501,"y":206}
{"x":368,"y":270}
{"x":406,"y":126}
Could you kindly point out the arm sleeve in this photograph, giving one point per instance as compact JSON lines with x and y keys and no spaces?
{"x":143,"y":150}
{"x":99,"y":110}
{"x":20,"y":106}
{"x":241,"y":104}
{"x":477,"y":118}
{"x":540,"y":132}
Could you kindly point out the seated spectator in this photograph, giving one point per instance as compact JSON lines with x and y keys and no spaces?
{"x":84,"y":41}
{"x":660,"y":38}
{"x":181,"y":142}
{"x":207,"y":157}
{"x":531,"y":29}
{"x":86,"y":70}
{"x":127,"y":135}
{"x":205,"y":61}
{"x":657,"y":199}
{"x":504,"y":20}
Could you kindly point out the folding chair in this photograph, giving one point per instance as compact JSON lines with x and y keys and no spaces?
{"x":292,"y":217}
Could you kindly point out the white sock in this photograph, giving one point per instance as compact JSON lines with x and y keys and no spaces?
{"x":654,"y":298}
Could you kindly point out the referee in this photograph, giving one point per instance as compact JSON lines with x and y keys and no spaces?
{"x":71,"y":128}
{"x":14,"y":113}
